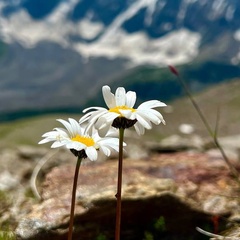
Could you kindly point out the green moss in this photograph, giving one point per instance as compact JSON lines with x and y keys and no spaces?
{"x":7,"y":235}
{"x":101,"y":237}
{"x":29,"y":193}
{"x":148,"y":236}
{"x":160,"y":224}
{"x":4,"y":201}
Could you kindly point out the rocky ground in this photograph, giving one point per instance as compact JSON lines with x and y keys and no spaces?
{"x":169,"y":188}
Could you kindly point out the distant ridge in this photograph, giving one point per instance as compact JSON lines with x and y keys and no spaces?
{"x":154,"y":83}
{"x":58,"y":54}
{"x":224,"y":96}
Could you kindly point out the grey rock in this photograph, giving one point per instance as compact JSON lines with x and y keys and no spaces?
{"x":175,"y":143}
{"x":182,"y":188}
{"x":8,"y":181}
{"x":29,"y":228}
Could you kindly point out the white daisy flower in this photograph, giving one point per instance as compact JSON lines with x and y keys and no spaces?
{"x":121,"y":114}
{"x":80,"y":144}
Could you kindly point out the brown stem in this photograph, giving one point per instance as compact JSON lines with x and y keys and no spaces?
{"x":212,"y":134}
{"x":70,"y":231}
{"x":119,"y":186}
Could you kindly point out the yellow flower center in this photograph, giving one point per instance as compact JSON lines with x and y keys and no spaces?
{"x":88,"y":141}
{"x":118,"y":108}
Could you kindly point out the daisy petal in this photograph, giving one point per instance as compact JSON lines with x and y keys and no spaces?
{"x":139,"y":128}
{"x":148,"y":114}
{"x":144,"y":122}
{"x":121,"y":105}
{"x":128,"y":114}
{"x":46,"y":140}
{"x":75,"y":126}
{"x":74,"y":137}
{"x":104,"y":130}
{"x":92,"y":108}
{"x":120,"y":96}
{"x":130,"y":99}
{"x":105,"y":150}
{"x":57,"y":144}
{"x":93,"y":119}
{"x":91,"y":153}
{"x":67,"y":126}
{"x":75,"y":145}
{"x":107,"y":118}
{"x":151,"y":104}
{"x":108,"y":97}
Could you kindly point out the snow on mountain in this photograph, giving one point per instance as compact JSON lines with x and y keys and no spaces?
{"x":143,"y":31}
{"x":60,"y":48}
{"x":96,"y":38}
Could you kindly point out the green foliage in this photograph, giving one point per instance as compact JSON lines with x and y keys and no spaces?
{"x":5,"y":224}
{"x":7,"y":235}
{"x":29,"y":193}
{"x":160,"y":224}
{"x":160,"y":83}
{"x":101,"y":237}
{"x":148,"y":236}
{"x":156,"y":229}
{"x":4,"y":201}
{"x":3,"y":196}
{"x":149,"y":83}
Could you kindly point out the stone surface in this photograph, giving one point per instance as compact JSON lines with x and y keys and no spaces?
{"x":176,"y":142}
{"x":184,"y":187}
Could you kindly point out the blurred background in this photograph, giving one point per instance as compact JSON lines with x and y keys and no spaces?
{"x":56,"y":55}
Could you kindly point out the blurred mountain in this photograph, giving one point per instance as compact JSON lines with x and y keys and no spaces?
{"x":56,"y":54}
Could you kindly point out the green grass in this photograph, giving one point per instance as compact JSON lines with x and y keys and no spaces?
{"x":7,"y":235}
{"x":196,"y":74}
{"x":29,"y":131}
{"x":101,"y":237}
{"x":159,"y":83}
{"x":225,"y":96}
{"x":5,"y":225}
{"x":4,"y":201}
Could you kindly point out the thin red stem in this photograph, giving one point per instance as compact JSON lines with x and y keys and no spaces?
{"x":119,"y":186}
{"x":70,"y":231}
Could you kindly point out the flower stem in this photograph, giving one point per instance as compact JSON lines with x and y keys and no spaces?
{"x":119,"y":185}
{"x":70,"y":231}
{"x":212,"y":134}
